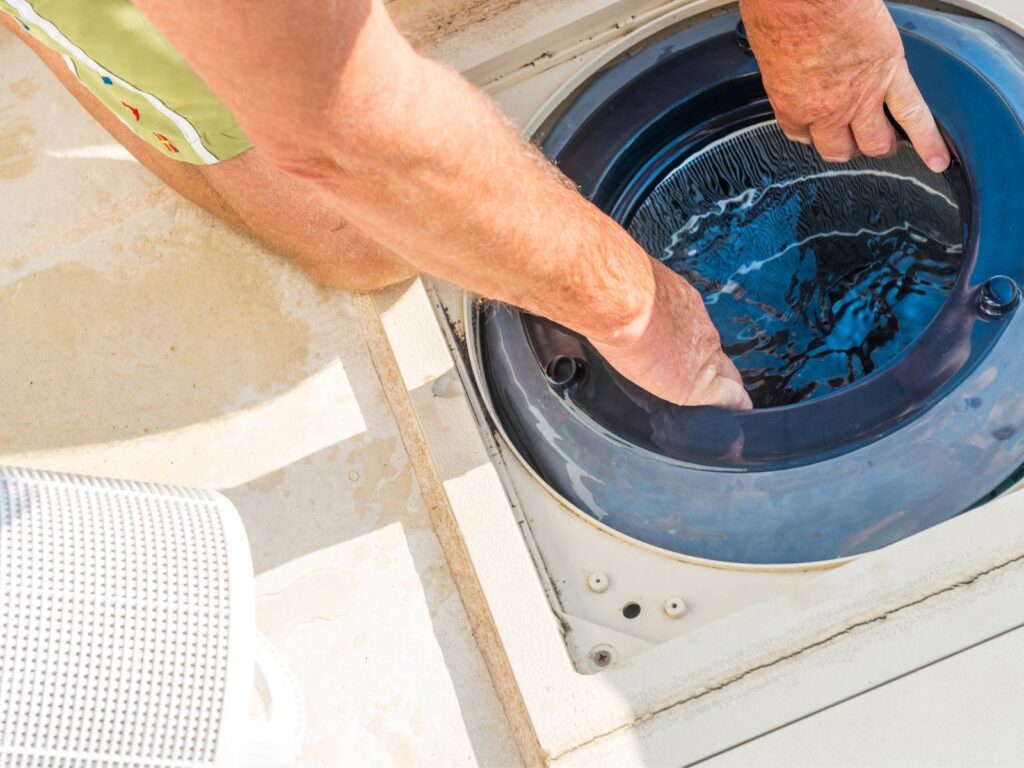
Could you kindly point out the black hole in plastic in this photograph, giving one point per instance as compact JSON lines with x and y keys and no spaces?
{"x":564,"y":370}
{"x":631,"y":610}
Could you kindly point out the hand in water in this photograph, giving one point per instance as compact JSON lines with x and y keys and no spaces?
{"x":678,"y":356}
{"x":830,"y":67}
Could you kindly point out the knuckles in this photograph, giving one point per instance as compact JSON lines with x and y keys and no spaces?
{"x":875,"y":147}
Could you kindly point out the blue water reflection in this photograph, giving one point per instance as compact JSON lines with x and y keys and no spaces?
{"x":814,"y":275}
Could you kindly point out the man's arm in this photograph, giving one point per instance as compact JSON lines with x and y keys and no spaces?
{"x":423,"y":163}
{"x":830,"y":68}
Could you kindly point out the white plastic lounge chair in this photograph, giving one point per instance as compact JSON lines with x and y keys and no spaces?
{"x":127,"y":632}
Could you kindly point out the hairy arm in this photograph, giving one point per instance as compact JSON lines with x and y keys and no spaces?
{"x":424,"y":164}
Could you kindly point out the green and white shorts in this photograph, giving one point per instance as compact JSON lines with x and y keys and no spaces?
{"x":128,"y":65}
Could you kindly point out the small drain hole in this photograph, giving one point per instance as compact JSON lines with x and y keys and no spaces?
{"x":564,"y":370}
{"x":631,"y":610}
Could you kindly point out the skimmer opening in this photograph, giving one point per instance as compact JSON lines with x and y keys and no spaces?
{"x":815,"y":275}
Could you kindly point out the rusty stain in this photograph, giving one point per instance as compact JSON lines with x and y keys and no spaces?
{"x":385,"y":484}
{"x":17,"y":156}
{"x":18,"y":257}
{"x":23,"y":89}
{"x":425,"y":24}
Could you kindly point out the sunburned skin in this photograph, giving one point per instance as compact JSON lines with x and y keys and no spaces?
{"x":830,"y":68}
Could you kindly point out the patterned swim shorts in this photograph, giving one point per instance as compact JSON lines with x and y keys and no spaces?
{"x":128,"y":65}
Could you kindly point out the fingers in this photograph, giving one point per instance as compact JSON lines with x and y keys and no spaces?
{"x":794,"y":131}
{"x":911,"y":112}
{"x":736,"y":395}
{"x":874,"y":134}
{"x":728,"y":369}
{"x":720,"y":385}
{"x":726,"y":393}
{"x":835,"y":145}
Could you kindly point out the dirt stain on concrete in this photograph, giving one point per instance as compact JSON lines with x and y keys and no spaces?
{"x":23,"y":89}
{"x":17,"y":156}
{"x":426,"y":23}
{"x":385,"y":484}
{"x":183,"y":328}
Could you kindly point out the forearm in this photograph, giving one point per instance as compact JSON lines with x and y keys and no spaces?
{"x":428,"y":167}
{"x":469,"y":201}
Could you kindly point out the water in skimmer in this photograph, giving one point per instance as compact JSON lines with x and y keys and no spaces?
{"x":814,"y":274}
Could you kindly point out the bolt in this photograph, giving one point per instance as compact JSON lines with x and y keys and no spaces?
{"x":675,"y":607}
{"x":602,"y":655}
{"x":564,"y":370}
{"x":999,"y":296}
{"x":741,"y":38}
{"x":598,"y":582}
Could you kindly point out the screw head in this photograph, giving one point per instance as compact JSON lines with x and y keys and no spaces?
{"x":598,"y":582}
{"x":602,"y":655}
{"x":675,"y":607}
{"x":999,"y":296}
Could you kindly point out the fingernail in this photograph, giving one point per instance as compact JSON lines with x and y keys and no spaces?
{"x":938,"y":163}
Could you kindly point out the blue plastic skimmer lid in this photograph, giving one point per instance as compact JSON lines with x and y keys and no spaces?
{"x":861,"y":301}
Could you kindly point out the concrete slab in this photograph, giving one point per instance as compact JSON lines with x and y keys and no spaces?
{"x":966,"y":710}
{"x":47,"y":159}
